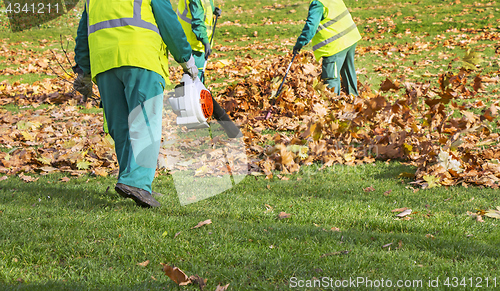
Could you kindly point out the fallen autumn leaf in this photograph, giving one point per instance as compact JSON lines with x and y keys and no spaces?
{"x":202,"y":223}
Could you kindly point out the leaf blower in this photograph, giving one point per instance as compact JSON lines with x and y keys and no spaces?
{"x":192,"y":103}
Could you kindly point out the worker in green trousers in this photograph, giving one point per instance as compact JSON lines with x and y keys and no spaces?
{"x":334,"y":36}
{"x":123,"y":48}
{"x":197,"y":20}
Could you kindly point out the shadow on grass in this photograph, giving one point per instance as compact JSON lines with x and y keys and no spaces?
{"x":76,"y":196}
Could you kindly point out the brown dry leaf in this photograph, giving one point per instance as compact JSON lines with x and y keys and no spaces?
{"x":143,"y":264}
{"x":320,"y":109}
{"x":386,"y":193}
{"x":27,"y":179}
{"x":269,"y":208}
{"x":477,"y":215}
{"x":65,"y":179}
{"x":490,"y":113}
{"x":3,"y":178}
{"x":309,"y":131}
{"x":222,"y":288}
{"x":404,"y":213}
{"x":195,"y":279}
{"x":399,"y":209}
{"x":177,"y":234}
{"x":202,"y":223}
{"x":369,"y":189}
{"x":283,"y":215}
{"x":388,"y":85}
{"x":101,"y":172}
{"x":176,"y":274}
{"x":430,"y":236}
{"x":335,"y":229}
{"x":286,"y":156}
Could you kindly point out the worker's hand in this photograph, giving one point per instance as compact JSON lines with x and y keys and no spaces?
{"x":208,"y":50}
{"x":190,"y":68}
{"x":296,"y":49}
{"x":83,"y":84}
{"x":217,"y":11}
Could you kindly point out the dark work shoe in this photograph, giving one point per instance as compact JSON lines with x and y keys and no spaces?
{"x":141,"y":197}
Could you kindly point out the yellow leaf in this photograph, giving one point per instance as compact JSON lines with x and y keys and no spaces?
{"x":201,"y":171}
{"x":472,"y":59}
{"x":318,"y":131}
{"x":349,"y":157}
{"x":44,"y":160}
{"x":432,"y":181}
{"x":27,"y":136}
{"x":82,"y":165}
{"x":493,"y":213}
{"x":69,"y":144}
{"x":408,"y":148}
{"x":109,"y":141}
{"x":222,"y":63}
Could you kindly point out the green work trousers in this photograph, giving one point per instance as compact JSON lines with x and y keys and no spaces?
{"x":339,"y":65}
{"x":199,"y":60}
{"x":133,"y":100}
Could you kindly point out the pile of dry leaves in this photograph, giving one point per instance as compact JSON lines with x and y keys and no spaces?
{"x":57,"y":138}
{"x":445,"y":131}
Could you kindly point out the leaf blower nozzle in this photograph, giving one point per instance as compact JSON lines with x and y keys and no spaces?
{"x":225,"y":121}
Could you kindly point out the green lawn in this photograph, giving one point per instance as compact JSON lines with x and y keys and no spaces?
{"x":81,"y":235}
{"x":77,"y":234}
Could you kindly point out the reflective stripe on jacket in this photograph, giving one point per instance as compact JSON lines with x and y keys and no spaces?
{"x":185,"y":18}
{"x":336,"y":32}
{"x":124,"y":33}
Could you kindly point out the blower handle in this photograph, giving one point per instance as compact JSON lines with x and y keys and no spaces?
{"x":273,"y":101}
{"x":202,"y":78}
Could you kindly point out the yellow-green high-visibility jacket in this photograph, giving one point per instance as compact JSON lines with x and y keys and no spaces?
{"x":124,"y":33}
{"x":336,"y":32}
{"x":185,"y":18}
